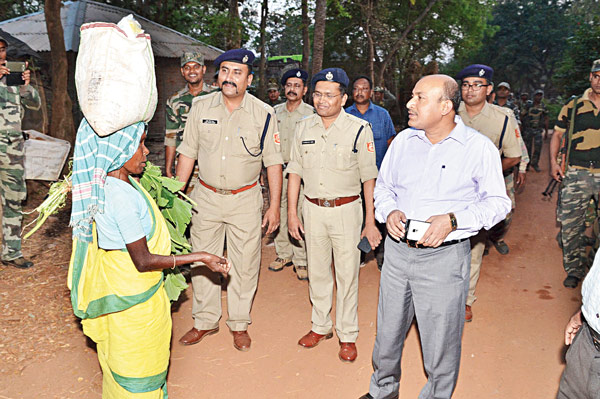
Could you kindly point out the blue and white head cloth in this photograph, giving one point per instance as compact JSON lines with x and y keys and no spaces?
{"x":94,"y":157}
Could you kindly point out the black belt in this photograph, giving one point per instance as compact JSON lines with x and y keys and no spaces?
{"x":413,"y":244}
{"x":595,"y":164}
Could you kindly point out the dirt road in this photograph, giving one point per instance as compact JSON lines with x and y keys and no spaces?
{"x":512,"y":349}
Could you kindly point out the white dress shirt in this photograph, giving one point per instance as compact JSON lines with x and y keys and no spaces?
{"x":460,"y":174}
{"x":590,"y":295}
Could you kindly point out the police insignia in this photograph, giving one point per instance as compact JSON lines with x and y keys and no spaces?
{"x":370,"y":146}
{"x":245,"y":59}
{"x":298,"y":74}
{"x":481,"y":72}
{"x":329,"y":76}
{"x":276,"y":138}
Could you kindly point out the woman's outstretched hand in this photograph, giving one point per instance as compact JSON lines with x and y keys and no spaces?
{"x":216,"y":263}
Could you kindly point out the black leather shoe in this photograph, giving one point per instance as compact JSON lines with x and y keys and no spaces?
{"x":571,"y":281}
{"x":19,"y":263}
{"x":366,"y":396}
{"x":501,"y":247}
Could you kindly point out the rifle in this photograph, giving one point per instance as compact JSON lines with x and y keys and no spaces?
{"x":550,"y":188}
{"x":565,"y":149}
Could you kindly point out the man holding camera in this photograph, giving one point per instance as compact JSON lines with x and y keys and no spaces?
{"x":14,"y":95}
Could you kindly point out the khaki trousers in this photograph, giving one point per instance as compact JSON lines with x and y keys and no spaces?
{"x":285,"y":246}
{"x":477,"y":248}
{"x":333,"y":230}
{"x":237,"y":217}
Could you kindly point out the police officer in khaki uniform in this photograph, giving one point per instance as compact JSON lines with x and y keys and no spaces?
{"x":288,"y":114}
{"x":333,"y":152}
{"x":233,"y":133}
{"x":499,"y":125}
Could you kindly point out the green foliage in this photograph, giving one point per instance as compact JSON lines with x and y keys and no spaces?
{"x":177,"y":214}
{"x":527,"y":45}
{"x":553,"y":107}
{"x":572,"y":77}
{"x":204,"y":20}
{"x":12,"y":9}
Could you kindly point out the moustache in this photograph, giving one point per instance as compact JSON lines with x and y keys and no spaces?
{"x":291,"y":93}
{"x":226,"y":82}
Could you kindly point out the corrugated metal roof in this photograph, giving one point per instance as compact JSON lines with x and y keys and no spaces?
{"x":166,"y":42}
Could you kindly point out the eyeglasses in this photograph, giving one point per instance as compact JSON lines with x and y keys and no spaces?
{"x":317,"y":96}
{"x":475,"y":86}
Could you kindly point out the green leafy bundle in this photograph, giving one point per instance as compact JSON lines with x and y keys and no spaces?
{"x":177,"y":213}
{"x":56,"y":199}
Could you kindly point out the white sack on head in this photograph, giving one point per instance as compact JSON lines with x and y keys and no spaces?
{"x":114,"y":75}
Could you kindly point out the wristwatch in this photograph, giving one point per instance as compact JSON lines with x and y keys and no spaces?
{"x":453,"y":222}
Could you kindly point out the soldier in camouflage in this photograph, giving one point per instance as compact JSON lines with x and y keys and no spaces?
{"x":522,"y":103}
{"x":273,"y":96}
{"x":535,"y":127}
{"x":581,"y":176}
{"x":497,"y":233}
{"x":12,"y":177}
{"x":178,"y":107}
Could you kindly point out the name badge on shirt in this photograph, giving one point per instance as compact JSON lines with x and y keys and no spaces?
{"x":210,"y":121}
{"x":308,"y":141}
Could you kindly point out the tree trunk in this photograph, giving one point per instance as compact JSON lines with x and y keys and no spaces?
{"x":305,"y":35}
{"x":262,"y":69}
{"x":235,"y":27}
{"x":401,"y":39}
{"x":61,"y":122}
{"x":371,"y":46}
{"x":319,"y":36}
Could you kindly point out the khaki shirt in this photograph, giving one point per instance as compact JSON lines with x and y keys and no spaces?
{"x":224,"y":141}
{"x":490,"y":121}
{"x":325,"y":160}
{"x":286,"y":121}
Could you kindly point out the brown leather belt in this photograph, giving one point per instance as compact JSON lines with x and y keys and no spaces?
{"x":332,"y":203}
{"x":227,"y":192}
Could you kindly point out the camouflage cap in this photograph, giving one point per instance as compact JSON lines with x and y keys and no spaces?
{"x":272,"y":86}
{"x":192,"y":57}
{"x":538,"y":91}
{"x":596,"y":66}
{"x":378,"y":89}
{"x":504,"y":84}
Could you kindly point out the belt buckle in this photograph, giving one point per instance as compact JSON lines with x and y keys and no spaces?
{"x":223,"y":192}
{"x":326,"y":203}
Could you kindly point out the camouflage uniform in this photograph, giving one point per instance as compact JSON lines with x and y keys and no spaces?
{"x":580,"y":184}
{"x":511,"y":105}
{"x":178,"y":107}
{"x":533,"y":126}
{"x":12,"y":177}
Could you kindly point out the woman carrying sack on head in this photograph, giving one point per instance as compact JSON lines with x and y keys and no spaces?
{"x":120,"y":247}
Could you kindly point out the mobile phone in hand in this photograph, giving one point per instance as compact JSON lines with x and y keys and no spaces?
{"x":364,"y":245}
{"x":415,"y":229}
{"x":15,"y":77}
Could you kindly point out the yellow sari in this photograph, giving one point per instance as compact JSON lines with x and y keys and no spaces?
{"x":127,"y":313}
